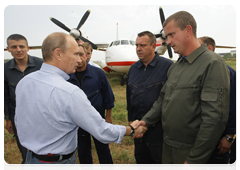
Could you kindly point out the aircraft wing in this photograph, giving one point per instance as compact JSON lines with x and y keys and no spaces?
{"x":218,"y":46}
{"x":101,"y":47}
{"x":31,"y":48}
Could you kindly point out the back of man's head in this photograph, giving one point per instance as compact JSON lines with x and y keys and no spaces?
{"x":208,"y":41}
{"x":53,"y":41}
{"x":151,"y":36}
{"x":182,"y":19}
{"x":17,"y":37}
{"x":88,"y":46}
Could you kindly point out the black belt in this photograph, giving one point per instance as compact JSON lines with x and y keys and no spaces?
{"x":53,"y":158}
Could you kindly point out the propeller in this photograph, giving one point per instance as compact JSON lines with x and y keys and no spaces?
{"x":75,"y":32}
{"x":161,"y":34}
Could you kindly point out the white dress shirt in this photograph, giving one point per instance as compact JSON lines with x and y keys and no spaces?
{"x":49,"y":111}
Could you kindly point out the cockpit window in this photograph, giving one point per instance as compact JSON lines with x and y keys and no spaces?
{"x":124,"y":42}
{"x":111,"y":44}
{"x":132,"y":42}
{"x":116,"y":42}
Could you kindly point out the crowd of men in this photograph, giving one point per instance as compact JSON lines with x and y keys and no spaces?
{"x":183,"y":112}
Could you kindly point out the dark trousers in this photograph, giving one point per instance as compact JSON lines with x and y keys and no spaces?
{"x":22,"y":149}
{"x":148,"y":149}
{"x":219,"y":158}
{"x":233,"y":152}
{"x":84,"y":149}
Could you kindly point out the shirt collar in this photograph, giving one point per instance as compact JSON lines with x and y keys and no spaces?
{"x":13,"y":64}
{"x":195,"y":54}
{"x":54,"y":70}
{"x":88,"y":73}
{"x":152,"y":63}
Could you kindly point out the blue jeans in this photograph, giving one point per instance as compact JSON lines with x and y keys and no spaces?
{"x":34,"y":163}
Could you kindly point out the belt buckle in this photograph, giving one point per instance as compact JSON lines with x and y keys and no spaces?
{"x":60,"y":158}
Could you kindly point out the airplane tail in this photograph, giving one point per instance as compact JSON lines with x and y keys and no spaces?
{"x":117,"y":32}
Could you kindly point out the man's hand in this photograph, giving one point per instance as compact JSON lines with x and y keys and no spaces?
{"x":224,"y":146}
{"x":186,"y":166}
{"x":140,"y":131}
{"x":139,"y":124}
{"x":108,"y":119}
{"x":134,"y":123}
{"x":9,"y":127}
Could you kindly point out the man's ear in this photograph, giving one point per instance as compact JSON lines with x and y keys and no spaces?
{"x":8,"y":49}
{"x":210,"y":47}
{"x":189,"y":29}
{"x":57,"y":53}
{"x":154,"y":45}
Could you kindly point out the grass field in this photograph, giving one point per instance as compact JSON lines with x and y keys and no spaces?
{"x":121,"y":153}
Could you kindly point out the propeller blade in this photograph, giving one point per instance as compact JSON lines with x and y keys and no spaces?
{"x":162,"y":18}
{"x":169,"y":51}
{"x":84,"y":18}
{"x":58,"y":23}
{"x":86,"y":40}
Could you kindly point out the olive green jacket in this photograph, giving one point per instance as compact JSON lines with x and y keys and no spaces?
{"x":194,"y":104}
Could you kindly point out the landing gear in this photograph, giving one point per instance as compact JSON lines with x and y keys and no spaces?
{"x":123,"y":79}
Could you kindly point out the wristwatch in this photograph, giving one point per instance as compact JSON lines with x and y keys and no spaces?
{"x":132,"y":131}
{"x":229,"y":139}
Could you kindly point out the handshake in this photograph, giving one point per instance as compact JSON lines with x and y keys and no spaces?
{"x":140,"y":127}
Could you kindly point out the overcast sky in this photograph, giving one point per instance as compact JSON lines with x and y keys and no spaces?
{"x":32,"y":21}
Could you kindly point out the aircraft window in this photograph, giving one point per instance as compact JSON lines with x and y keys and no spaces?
{"x":132,"y":42}
{"x":116,"y":42}
{"x":124,"y":42}
{"x":111,"y":44}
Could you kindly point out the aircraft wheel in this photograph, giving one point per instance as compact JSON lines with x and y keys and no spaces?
{"x":122,"y":81}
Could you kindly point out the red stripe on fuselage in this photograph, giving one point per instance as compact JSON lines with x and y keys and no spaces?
{"x":121,"y":63}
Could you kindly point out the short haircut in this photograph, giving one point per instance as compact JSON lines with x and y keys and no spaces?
{"x":208,"y":41}
{"x":84,"y":48}
{"x":17,"y":37}
{"x":87,"y":45}
{"x":182,"y":19}
{"x":51,"y":42}
{"x":151,"y":36}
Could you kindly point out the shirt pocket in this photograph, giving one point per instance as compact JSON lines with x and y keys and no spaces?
{"x":189,"y":93}
{"x":135,"y":92}
{"x":92,"y":94}
{"x":153,"y":92}
{"x":212,"y":104}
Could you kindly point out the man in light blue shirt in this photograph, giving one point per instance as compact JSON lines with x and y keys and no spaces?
{"x":48,"y":112}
